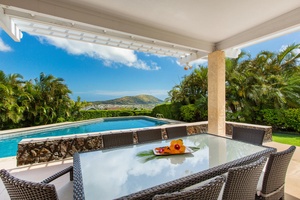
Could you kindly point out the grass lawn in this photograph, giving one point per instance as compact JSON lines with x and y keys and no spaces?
{"x":287,"y":138}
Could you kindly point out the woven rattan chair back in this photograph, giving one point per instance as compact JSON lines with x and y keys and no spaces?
{"x":21,"y":190}
{"x":176,"y":131}
{"x":148,"y":135}
{"x":275,"y":173}
{"x":242,"y":181}
{"x":209,"y":191}
{"x":117,"y":139}
{"x":253,"y":136}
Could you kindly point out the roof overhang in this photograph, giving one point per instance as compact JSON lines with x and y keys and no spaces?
{"x":147,"y":25}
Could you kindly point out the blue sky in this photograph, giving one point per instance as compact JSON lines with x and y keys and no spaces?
{"x":96,"y":72}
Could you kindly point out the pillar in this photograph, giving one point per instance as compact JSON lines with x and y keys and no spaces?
{"x":216,"y":93}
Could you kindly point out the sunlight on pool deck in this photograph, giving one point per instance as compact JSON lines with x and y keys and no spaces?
{"x":39,"y":172}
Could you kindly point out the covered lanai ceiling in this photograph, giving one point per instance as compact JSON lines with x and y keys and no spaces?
{"x":187,"y":29}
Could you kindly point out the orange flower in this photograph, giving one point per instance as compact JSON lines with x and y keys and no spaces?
{"x":177,"y":146}
{"x":167,"y":150}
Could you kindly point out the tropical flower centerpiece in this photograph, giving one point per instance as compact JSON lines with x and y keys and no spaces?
{"x":176,"y":147}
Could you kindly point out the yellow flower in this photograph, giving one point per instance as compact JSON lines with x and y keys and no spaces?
{"x":177,"y":147}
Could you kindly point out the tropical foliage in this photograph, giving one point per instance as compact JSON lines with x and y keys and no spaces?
{"x":42,"y":101}
{"x":271,"y":80}
{"x":93,"y":114}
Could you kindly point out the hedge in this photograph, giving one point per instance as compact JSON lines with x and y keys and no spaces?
{"x":188,"y":113}
{"x":288,"y":119}
{"x":168,"y":110}
{"x":283,"y":119}
{"x":92,"y":114}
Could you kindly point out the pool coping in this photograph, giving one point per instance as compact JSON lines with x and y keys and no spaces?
{"x":34,"y":129}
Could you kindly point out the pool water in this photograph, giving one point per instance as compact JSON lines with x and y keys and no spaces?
{"x":8,"y":146}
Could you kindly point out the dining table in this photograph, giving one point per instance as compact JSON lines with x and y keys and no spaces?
{"x":138,"y":171}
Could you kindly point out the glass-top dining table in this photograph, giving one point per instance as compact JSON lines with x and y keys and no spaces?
{"x":135,"y":172}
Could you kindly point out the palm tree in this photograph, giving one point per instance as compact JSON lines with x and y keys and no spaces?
{"x":53,"y":98}
{"x":270,"y":80}
{"x":11,"y":94}
{"x":191,"y":88}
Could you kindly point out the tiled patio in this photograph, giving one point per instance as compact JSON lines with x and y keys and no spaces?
{"x":40,"y":171}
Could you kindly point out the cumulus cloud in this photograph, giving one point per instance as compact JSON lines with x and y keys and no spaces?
{"x":109,"y":55}
{"x":4,"y":47}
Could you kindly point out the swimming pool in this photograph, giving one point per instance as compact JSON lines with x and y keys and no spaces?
{"x":9,"y":145}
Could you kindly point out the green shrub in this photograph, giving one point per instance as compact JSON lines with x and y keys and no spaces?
{"x":60,"y":119}
{"x":277,"y":118}
{"x":177,"y":111}
{"x":92,"y":114}
{"x":282,"y":119}
{"x":188,"y":113}
{"x":168,"y":110}
{"x":292,"y":119}
{"x":273,"y":117}
{"x":142,"y":112}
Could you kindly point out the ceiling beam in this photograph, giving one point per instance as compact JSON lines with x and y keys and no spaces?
{"x":284,"y":24}
{"x":9,"y":27}
{"x":78,"y":15}
{"x":191,"y":57}
{"x":44,"y":25}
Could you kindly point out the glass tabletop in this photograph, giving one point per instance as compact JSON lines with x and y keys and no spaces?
{"x":113,"y":173}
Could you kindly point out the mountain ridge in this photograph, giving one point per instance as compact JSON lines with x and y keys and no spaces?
{"x":131,"y":100}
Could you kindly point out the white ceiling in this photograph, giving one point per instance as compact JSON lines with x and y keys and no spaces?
{"x":180,"y":28}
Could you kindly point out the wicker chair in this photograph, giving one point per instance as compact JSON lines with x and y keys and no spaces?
{"x":148,"y":135}
{"x":253,"y":136}
{"x":271,"y":184}
{"x":117,"y":139}
{"x":209,"y":191}
{"x":242,"y":181}
{"x":21,"y":190}
{"x":176,"y":131}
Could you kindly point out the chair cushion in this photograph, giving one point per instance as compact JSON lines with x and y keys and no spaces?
{"x":261,"y":179}
{"x":197,"y":185}
{"x":66,"y":191}
{"x":204,"y":183}
{"x":260,"y":183}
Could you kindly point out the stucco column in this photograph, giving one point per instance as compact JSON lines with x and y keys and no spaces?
{"x":216,"y":93}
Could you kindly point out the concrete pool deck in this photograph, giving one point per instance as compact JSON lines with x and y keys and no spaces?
{"x":38,"y":172}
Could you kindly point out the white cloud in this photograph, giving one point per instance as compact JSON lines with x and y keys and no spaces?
{"x":4,"y":47}
{"x":200,"y":61}
{"x":284,"y":47}
{"x":108,"y":54}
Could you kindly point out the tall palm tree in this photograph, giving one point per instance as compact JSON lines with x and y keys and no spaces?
{"x":270,"y":80}
{"x":191,"y":88}
{"x":54,"y":96}
{"x":10,"y":94}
